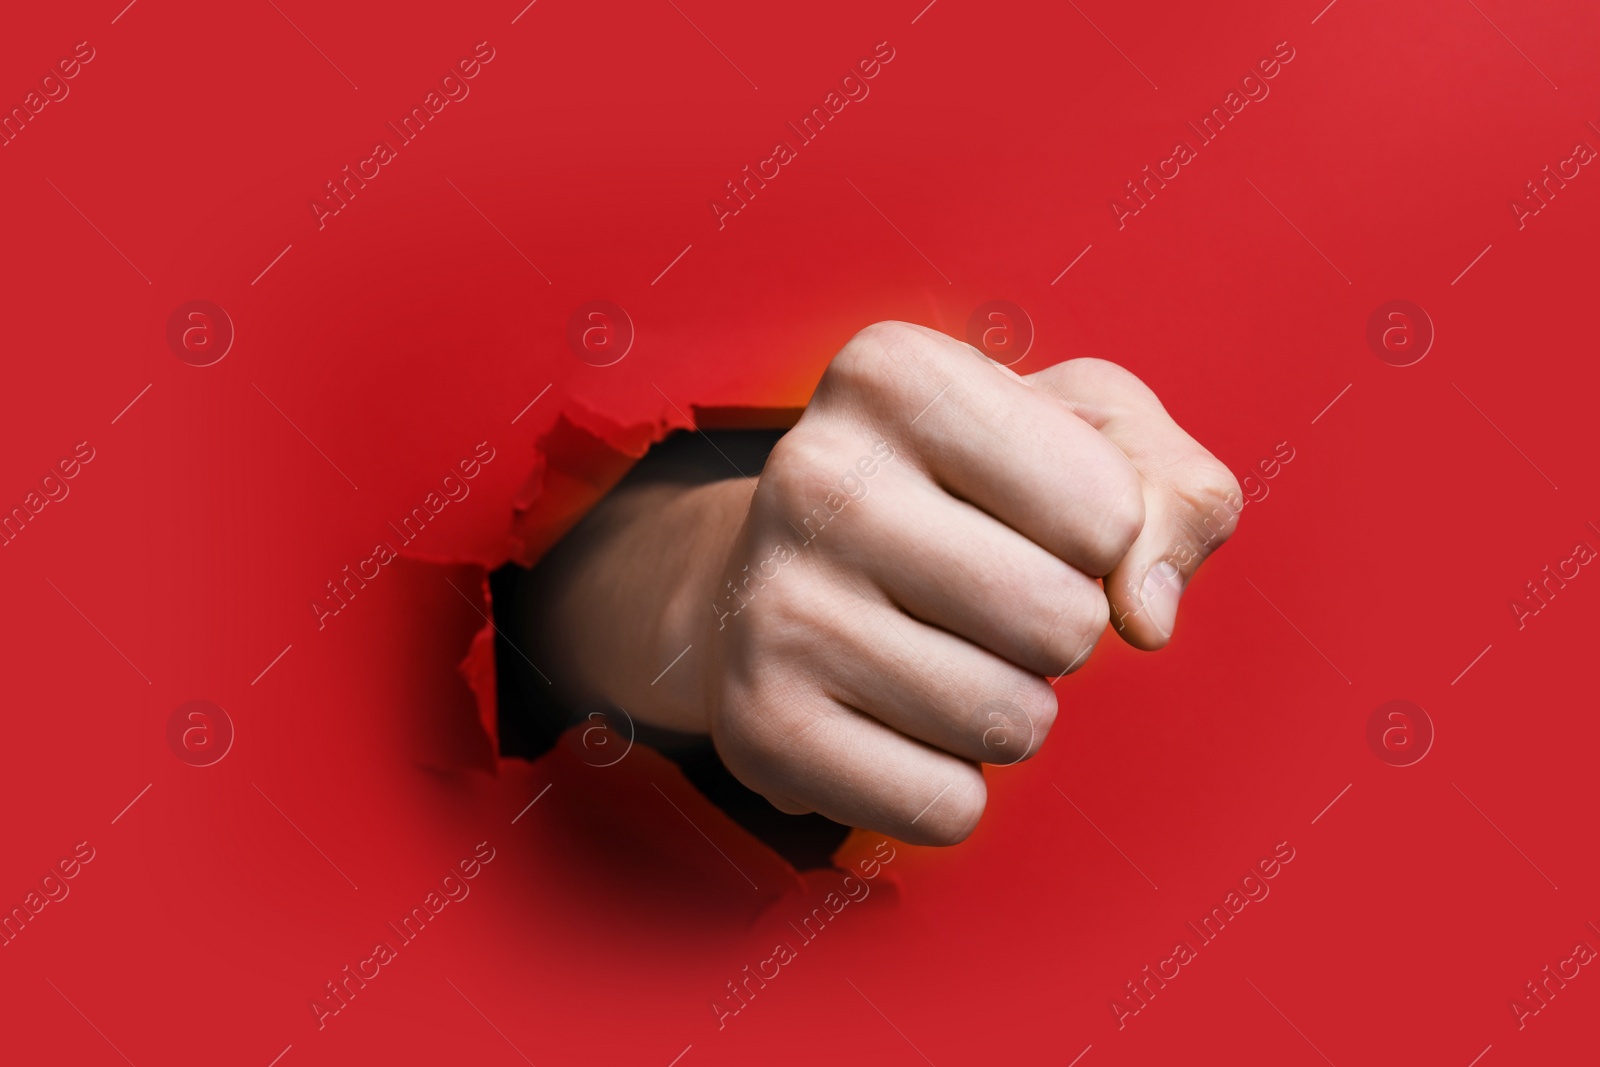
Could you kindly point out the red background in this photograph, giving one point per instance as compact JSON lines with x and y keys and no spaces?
{"x":416,"y":324}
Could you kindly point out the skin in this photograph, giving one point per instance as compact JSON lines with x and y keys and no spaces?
{"x":935,"y":541}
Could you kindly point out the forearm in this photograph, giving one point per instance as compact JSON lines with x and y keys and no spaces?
{"x":628,"y":591}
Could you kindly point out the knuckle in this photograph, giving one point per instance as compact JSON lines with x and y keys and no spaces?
{"x":863,"y":357}
{"x":799,"y":465}
{"x":1106,"y":389}
{"x":851,"y":372}
{"x":789,"y":626}
{"x":1073,"y":631}
{"x":877,"y":357}
{"x":1210,"y":500}
{"x":889,"y":337}
{"x":1034,"y":703}
{"x":756,"y":738}
{"x":1121,"y":519}
{"x":954,"y":815}
{"x":1037,"y":698}
{"x":1112,"y":379}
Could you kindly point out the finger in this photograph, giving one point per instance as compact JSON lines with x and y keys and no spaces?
{"x":936,"y":687}
{"x":807,"y":752}
{"x":1192,"y":501}
{"x":986,"y":437}
{"x":943,"y":561}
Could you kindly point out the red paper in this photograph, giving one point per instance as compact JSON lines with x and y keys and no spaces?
{"x":188,"y":880}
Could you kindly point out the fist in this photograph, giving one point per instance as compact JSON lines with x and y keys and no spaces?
{"x":934,"y":543}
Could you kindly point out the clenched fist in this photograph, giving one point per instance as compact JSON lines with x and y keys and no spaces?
{"x":885,"y":608}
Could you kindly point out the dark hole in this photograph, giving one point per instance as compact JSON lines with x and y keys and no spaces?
{"x":531,"y":723}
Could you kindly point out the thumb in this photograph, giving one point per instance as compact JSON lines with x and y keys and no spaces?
{"x":1192,"y":501}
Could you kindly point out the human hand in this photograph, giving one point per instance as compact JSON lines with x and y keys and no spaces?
{"x":920,"y":555}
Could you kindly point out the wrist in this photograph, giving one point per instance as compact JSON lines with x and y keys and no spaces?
{"x":694,"y":612}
